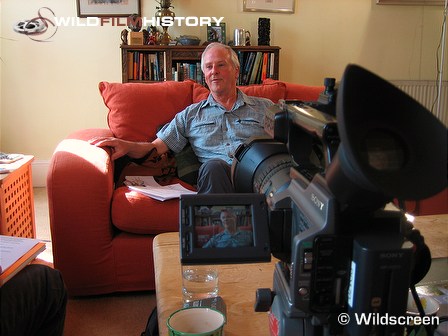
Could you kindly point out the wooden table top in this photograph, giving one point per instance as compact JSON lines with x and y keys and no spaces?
{"x":237,"y":285}
{"x":435,"y":231}
{"x":238,"y":282}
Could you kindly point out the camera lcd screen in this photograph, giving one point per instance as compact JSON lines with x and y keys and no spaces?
{"x":224,"y":228}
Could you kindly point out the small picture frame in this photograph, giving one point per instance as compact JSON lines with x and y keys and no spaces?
{"x":108,"y":8}
{"x":217,"y":33}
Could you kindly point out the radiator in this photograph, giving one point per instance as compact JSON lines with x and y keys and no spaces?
{"x":425,"y":92}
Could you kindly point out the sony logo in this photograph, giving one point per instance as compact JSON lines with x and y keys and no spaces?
{"x":391,"y":255}
{"x":317,"y":202}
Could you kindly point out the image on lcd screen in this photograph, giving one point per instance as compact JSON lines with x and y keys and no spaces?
{"x":223,"y":226}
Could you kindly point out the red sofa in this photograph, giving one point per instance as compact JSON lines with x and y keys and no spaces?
{"x":101,"y":235}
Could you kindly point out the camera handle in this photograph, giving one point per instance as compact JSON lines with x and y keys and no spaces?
{"x":422,"y":254}
{"x":422,"y":264}
{"x":263,"y":299}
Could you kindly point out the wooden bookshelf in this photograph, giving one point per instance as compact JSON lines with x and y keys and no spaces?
{"x":149,"y":63}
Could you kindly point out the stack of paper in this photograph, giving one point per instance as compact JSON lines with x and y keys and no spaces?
{"x":149,"y":187}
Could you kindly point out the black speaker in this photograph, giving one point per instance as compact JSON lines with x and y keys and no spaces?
{"x":264,"y":31}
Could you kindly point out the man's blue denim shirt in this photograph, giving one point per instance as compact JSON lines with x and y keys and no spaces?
{"x":213,"y":132}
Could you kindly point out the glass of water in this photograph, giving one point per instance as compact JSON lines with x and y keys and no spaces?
{"x":199,"y":282}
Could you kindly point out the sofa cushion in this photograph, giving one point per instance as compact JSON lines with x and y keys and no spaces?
{"x":274,"y":91}
{"x":298,"y":91}
{"x":200,"y":92}
{"x":134,"y":212}
{"x":136,"y":110}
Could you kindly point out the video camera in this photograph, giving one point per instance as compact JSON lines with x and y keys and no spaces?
{"x":325,"y":178}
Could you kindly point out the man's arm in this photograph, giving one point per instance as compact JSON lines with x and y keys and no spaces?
{"x":210,"y":243}
{"x":135,"y":150}
{"x":160,"y":146}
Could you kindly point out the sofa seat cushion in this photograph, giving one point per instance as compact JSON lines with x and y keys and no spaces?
{"x":137,"y":110}
{"x":134,"y":212}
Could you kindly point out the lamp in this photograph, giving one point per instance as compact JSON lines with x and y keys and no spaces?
{"x":164,"y":11}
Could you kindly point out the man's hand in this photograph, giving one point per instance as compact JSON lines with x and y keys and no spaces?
{"x":122,"y":147}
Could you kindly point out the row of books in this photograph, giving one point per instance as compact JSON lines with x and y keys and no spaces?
{"x":183,"y":70}
{"x":146,"y":66}
{"x":255,"y":67}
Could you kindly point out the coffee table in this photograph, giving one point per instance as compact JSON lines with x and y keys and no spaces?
{"x":237,"y":286}
{"x":17,"y":200}
{"x":238,"y":283}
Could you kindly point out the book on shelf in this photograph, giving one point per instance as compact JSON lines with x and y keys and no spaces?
{"x":156,"y":68}
{"x":148,"y":186}
{"x":186,"y":70}
{"x":264,"y":67}
{"x":199,"y":76}
{"x":15,"y":254}
{"x":255,"y":68}
{"x":241,"y":57}
{"x":248,"y":64}
{"x":164,"y":72}
{"x":141,"y":72}
{"x":130,"y":64}
{"x":271,"y":65}
{"x":134,"y":67}
{"x":148,"y":66}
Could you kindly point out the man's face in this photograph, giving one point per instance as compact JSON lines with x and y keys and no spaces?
{"x":219,"y":71}
{"x":228,"y":220}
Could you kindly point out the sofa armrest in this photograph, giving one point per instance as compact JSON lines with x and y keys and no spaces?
{"x":80,"y":187}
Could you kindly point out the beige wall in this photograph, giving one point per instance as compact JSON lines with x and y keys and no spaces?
{"x":51,"y":89}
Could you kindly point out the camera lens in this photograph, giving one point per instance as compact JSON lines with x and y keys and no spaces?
{"x":261,"y":166}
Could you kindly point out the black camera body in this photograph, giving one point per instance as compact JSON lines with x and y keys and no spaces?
{"x":327,"y":176}
{"x":314,"y":238}
{"x":320,"y":183}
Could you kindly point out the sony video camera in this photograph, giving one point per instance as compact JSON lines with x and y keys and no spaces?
{"x":326,"y":178}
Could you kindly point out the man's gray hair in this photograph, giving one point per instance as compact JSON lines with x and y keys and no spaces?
{"x":232,"y":53}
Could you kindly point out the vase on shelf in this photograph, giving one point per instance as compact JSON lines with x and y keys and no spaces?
{"x":164,"y":11}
